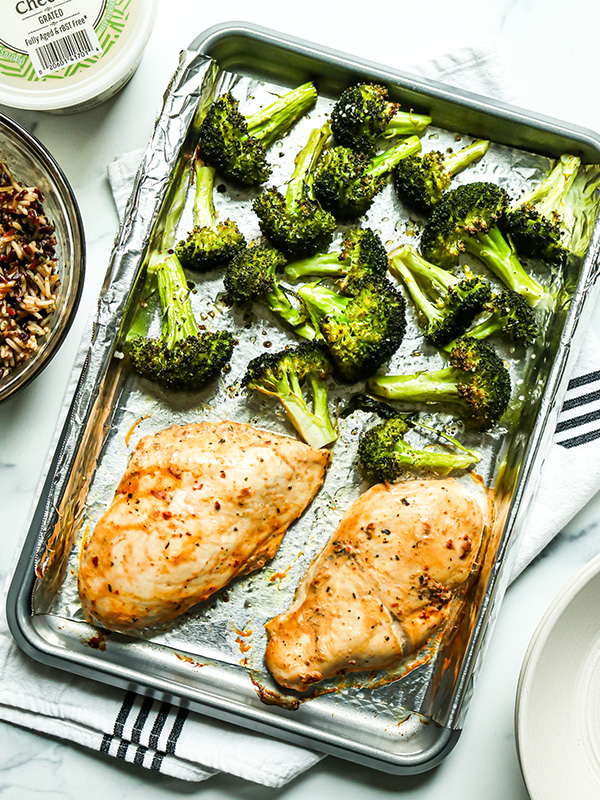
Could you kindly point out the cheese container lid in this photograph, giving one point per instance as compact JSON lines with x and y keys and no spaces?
{"x":70,"y":55}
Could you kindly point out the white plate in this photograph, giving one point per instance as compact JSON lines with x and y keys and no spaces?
{"x":557,"y":715}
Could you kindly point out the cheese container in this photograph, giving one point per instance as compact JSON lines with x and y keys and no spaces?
{"x":70,"y":55}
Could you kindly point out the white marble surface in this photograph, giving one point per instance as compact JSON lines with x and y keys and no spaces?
{"x":549,"y":52}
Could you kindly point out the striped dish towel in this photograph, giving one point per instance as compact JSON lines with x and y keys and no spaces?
{"x":575,"y":453}
{"x":160,"y":736}
{"x":579,"y":422}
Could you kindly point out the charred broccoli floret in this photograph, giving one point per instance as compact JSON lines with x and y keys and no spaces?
{"x":535,"y":220}
{"x":506,"y":314}
{"x":183,"y":358}
{"x":476,"y":380}
{"x":296,"y":223}
{"x":347,"y":182}
{"x":361,"y":330}
{"x":447,"y":303}
{"x":361,"y":254}
{"x":422,"y":180}
{"x":210,"y":243}
{"x":236,"y":145}
{"x":252,"y":277}
{"x":283,"y":374}
{"x":466,"y":219}
{"x":385,"y":455}
{"x":363,"y":114}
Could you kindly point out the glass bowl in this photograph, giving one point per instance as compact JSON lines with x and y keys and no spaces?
{"x":32,"y":165}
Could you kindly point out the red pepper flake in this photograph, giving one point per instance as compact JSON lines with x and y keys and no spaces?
{"x":95,"y":561}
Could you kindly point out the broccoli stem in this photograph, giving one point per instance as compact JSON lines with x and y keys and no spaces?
{"x":204,"y":210}
{"x":175,"y":210}
{"x":549,"y":196}
{"x":386,"y":161}
{"x":274,"y":120}
{"x":499,"y":256}
{"x":147,"y":306}
{"x":404,"y":123}
{"x":144,"y":314}
{"x":306,"y":161}
{"x":316,"y":428}
{"x":321,"y":301}
{"x":321,"y":409}
{"x":409,"y":259}
{"x":431,"y":459}
{"x":178,"y":318}
{"x":280,"y":305}
{"x":423,"y":387}
{"x":456,"y":162}
{"x":486,"y":328}
{"x":323,"y":265}
{"x":420,"y":299}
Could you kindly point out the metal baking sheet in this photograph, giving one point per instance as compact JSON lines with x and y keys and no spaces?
{"x":212,"y":657}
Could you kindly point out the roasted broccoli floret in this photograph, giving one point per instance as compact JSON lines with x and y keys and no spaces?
{"x":236,"y":145}
{"x":347,"y":182}
{"x":361,"y":254}
{"x":446,"y":303}
{"x":252,"y":277}
{"x":422,"y":180}
{"x":580,"y":210}
{"x":385,"y":455}
{"x":283,"y":374}
{"x":535,"y":220}
{"x":466,"y":219}
{"x":183,"y":358}
{"x":361,"y":330}
{"x":506,"y":314}
{"x":296,"y":223}
{"x":210,"y":243}
{"x":476,"y":381}
{"x":363,"y":114}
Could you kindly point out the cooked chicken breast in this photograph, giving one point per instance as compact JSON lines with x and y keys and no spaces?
{"x":197,"y":506}
{"x":383,"y":583}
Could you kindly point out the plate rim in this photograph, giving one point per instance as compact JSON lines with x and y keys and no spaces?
{"x":535,"y":649}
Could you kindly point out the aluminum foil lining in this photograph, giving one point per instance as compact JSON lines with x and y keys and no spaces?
{"x":228,"y":628}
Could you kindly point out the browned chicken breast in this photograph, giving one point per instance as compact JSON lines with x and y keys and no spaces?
{"x":197,"y":506}
{"x":382,"y":585}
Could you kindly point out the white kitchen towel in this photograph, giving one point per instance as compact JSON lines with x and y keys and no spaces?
{"x":163,"y":737}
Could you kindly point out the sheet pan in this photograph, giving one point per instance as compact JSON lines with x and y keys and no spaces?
{"x":197,"y":661}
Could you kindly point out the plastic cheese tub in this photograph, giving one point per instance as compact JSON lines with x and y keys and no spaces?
{"x":70,"y":55}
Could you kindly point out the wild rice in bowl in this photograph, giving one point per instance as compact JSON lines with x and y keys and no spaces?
{"x":29,"y":278}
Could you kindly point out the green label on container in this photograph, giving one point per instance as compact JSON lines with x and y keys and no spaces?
{"x":45,"y":40}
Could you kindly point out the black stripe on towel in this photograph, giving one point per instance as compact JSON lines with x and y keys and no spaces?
{"x":182,"y":715}
{"x":138,"y":727}
{"x":582,"y":400}
{"x":120,"y":721}
{"x":157,"y":729}
{"x":172,"y":739}
{"x":583,"y":438}
{"x":575,"y":422}
{"x":583,"y":380}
